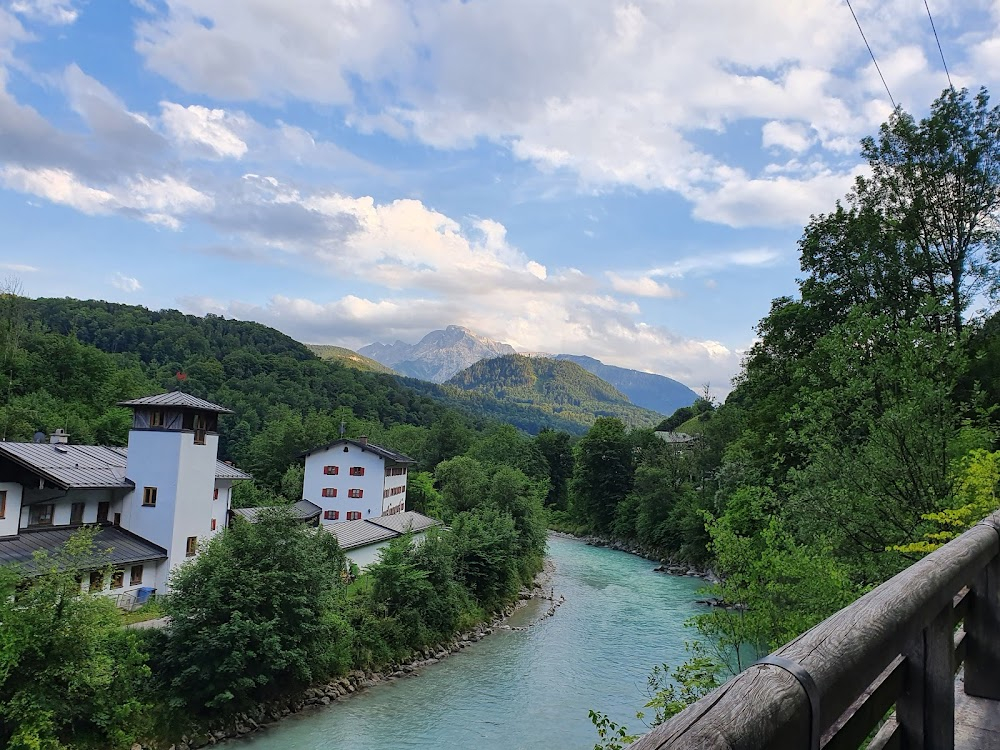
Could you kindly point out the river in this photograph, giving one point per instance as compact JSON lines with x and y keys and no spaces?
{"x":523,"y":689}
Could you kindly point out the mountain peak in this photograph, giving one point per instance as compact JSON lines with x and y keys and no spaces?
{"x":439,"y":354}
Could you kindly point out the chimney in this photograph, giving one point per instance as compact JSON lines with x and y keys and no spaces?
{"x":363,"y":439}
{"x":59,"y":437}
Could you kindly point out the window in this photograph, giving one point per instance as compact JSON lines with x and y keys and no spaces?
{"x":200,"y":427}
{"x":149,"y":496}
{"x":331,"y":515}
{"x":102,"y":512}
{"x":76,"y":512}
{"x":156,"y":419}
{"x":40,"y":515}
{"x":329,"y":492}
{"x":135,"y":575}
{"x":215,"y":495}
{"x":354,"y":515}
{"x":97,"y":580}
{"x":395,"y":471}
{"x":118,"y":579}
{"x":331,"y":471}
{"x":3,"y":503}
{"x":357,"y":471}
{"x":118,"y":519}
{"x":213,"y":524}
{"x":355,"y":493}
{"x":192,"y":546}
{"x":385,"y":493}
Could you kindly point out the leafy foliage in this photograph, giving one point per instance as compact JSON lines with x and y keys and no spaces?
{"x":70,"y":675}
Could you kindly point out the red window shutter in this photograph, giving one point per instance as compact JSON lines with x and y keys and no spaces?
{"x":216,"y":495}
{"x":213,"y":524}
{"x":336,"y":514}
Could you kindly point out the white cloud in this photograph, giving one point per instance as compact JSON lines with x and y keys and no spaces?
{"x":214,"y":131}
{"x":57,"y":12}
{"x":641,"y":286}
{"x":707,"y":263}
{"x":125,"y":283}
{"x":157,"y":200}
{"x":615,"y":95}
{"x":790,"y":135}
{"x":18,"y":267}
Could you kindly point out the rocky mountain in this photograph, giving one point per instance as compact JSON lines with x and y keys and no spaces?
{"x":561,"y":388}
{"x":645,"y":389}
{"x":438,"y":355}
{"x":348,"y":358}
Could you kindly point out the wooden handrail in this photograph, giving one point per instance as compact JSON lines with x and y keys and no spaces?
{"x":848,"y":656}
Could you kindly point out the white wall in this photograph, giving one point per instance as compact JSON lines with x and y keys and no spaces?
{"x":221,"y":504}
{"x":371,"y":484}
{"x":184,"y":476}
{"x":12,"y":514}
{"x":365,"y":556}
{"x":151,"y":572}
{"x":395,"y":503}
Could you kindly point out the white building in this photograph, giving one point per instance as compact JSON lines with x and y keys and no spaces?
{"x":154,"y":502}
{"x":351,"y":480}
{"x":364,"y":540}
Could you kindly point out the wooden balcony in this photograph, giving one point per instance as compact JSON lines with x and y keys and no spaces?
{"x":917,"y":659}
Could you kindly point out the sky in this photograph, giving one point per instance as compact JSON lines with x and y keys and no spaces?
{"x":625,"y":180}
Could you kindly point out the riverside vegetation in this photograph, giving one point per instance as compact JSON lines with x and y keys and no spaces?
{"x":861,"y":432}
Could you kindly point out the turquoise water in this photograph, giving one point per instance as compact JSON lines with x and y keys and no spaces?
{"x":523,"y":689}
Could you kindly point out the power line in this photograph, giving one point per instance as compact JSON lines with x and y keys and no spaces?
{"x":871,"y":53}
{"x":938,"y":40}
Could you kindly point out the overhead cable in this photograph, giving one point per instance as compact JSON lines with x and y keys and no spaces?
{"x":877,"y":68}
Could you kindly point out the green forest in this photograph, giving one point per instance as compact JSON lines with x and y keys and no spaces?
{"x":859,"y":435}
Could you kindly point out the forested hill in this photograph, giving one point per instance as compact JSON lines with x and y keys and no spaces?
{"x":646,"y":389}
{"x":348,"y":358}
{"x":557,"y":387}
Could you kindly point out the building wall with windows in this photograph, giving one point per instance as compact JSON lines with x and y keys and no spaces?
{"x":10,"y":508}
{"x":330,"y":483}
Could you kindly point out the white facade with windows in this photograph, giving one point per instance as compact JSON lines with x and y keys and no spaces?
{"x":154,"y":503}
{"x":352,"y":480}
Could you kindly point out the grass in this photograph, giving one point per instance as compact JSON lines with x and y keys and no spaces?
{"x":149,"y":611}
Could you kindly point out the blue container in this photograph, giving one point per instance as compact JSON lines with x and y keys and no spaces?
{"x":143,"y":593}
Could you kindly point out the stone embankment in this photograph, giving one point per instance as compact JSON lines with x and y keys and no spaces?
{"x":354,"y":682}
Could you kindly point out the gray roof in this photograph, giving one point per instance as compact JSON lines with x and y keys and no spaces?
{"x":178,"y":400}
{"x":228,"y":471}
{"x":676,"y":437}
{"x":71,"y":466}
{"x":387,"y":453}
{"x":112,"y":545}
{"x":86,"y":466}
{"x":303,"y":510}
{"x":409,"y":520}
{"x":353,"y":534}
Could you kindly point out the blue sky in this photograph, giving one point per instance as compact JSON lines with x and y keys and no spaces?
{"x":625,"y":180}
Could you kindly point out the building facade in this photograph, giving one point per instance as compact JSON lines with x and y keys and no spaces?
{"x":351,"y":480}
{"x":154,"y":502}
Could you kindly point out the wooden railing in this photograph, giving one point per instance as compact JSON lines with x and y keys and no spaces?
{"x":898,"y":647}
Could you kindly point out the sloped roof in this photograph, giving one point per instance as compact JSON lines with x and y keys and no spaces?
{"x":353,"y":534}
{"x":177,"y":400}
{"x":409,"y":520}
{"x":113,"y":545}
{"x":676,"y":437}
{"x":87,"y":466}
{"x":71,"y":466}
{"x":387,"y":453}
{"x":228,"y":471}
{"x":303,"y":510}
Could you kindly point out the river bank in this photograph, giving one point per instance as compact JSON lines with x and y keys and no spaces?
{"x":665,"y":564}
{"x":264,"y":716}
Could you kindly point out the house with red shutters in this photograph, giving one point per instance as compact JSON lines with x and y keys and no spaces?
{"x":351,"y":480}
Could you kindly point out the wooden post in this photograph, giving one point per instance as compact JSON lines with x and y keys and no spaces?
{"x":982,"y":631}
{"x":926,"y":710}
